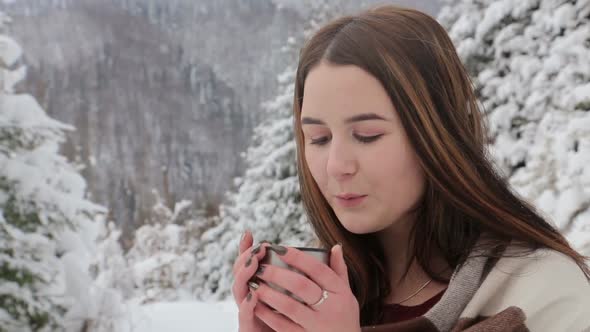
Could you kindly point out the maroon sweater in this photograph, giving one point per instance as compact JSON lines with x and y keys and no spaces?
{"x":394,"y":313}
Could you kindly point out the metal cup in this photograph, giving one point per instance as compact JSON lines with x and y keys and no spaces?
{"x":272,"y":258}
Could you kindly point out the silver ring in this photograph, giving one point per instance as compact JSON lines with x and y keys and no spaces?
{"x":324,"y":297}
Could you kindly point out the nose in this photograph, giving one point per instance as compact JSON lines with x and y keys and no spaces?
{"x":341,"y":160}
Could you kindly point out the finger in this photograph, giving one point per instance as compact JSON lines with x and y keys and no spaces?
{"x":337,"y":262}
{"x":298,"y":284}
{"x":246,"y":316}
{"x":243,"y":258}
{"x":317,"y":271}
{"x":294,"y":310}
{"x":274,"y":320}
{"x":244,"y":274}
{"x":246,"y":241}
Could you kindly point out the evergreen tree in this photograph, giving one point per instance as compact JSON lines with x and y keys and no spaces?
{"x":42,"y":205}
{"x":161,"y":260}
{"x":529,"y":61}
{"x":267,"y":200}
{"x":101,"y":296}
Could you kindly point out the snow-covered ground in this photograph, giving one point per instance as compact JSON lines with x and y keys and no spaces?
{"x":189,"y":316}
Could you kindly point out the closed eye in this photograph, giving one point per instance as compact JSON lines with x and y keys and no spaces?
{"x":367,"y":139}
{"x":363,"y":139}
{"x":319,"y":141}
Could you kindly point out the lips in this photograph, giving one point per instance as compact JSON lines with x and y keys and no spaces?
{"x":350,"y":200}
{"x":349,"y":196}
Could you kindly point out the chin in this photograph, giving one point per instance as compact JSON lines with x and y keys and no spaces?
{"x":356,"y":227}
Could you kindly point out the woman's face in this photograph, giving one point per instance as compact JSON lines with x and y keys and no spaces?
{"x":355,"y":144}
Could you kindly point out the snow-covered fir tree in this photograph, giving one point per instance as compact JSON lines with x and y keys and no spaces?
{"x":161,"y":261}
{"x":46,"y":224}
{"x":267,"y":200}
{"x":529,"y":60}
{"x":101,"y":294}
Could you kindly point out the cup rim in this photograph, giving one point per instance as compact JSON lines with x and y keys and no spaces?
{"x":312,"y":249}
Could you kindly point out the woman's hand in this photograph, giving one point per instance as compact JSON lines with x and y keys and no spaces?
{"x":338,"y":312}
{"x":243,"y":269}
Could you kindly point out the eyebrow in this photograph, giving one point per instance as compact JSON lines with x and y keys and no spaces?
{"x":356,"y":118}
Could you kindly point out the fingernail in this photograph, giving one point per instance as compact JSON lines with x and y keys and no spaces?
{"x":249,"y":297}
{"x":260,"y":270}
{"x":253,"y":285}
{"x":280,"y":250}
{"x":249,"y":261}
{"x":256,"y":249}
{"x":243,"y":235}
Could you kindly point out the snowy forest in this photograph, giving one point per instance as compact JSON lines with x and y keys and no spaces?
{"x":140,"y":138}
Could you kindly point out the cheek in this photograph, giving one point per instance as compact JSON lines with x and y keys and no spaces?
{"x":395,"y":170}
{"x":407,"y":182}
{"x":316,"y":163}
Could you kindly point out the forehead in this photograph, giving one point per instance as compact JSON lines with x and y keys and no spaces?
{"x":341,"y":90}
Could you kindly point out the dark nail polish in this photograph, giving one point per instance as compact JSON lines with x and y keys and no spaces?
{"x":249,"y":297}
{"x":249,"y":261}
{"x":260,"y":270}
{"x":280,"y":250}
{"x":256,"y":249}
{"x":253,"y":285}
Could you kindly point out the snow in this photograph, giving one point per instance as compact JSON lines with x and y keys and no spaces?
{"x":11,"y":51}
{"x":47,"y":227}
{"x":185,"y":316}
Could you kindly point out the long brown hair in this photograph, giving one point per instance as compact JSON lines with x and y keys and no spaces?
{"x":416,"y":62}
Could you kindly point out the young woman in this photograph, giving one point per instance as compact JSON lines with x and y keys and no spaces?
{"x":393,"y":166}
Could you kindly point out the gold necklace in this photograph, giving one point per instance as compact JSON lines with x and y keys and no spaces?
{"x":416,"y":292}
